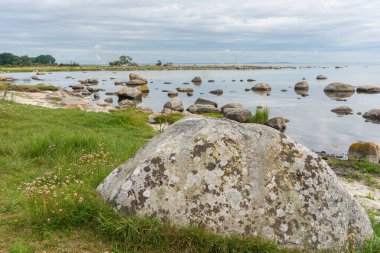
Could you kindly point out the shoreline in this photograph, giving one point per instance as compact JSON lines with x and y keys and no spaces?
{"x":137,"y":68}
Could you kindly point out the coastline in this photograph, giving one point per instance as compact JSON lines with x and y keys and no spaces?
{"x":136,"y":68}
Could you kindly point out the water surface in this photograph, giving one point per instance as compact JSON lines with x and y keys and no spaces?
{"x":311,"y":121}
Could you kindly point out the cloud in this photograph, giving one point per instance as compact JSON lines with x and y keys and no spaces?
{"x":199,"y":29}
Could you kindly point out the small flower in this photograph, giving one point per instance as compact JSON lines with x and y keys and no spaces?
{"x":80,"y":199}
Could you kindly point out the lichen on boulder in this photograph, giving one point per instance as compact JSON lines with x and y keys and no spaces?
{"x":233,"y":178}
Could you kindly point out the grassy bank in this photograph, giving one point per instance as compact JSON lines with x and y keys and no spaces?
{"x":27,"y":87}
{"x":130,"y":68}
{"x":50,"y":164}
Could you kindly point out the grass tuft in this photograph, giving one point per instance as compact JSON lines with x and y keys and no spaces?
{"x":261,"y":116}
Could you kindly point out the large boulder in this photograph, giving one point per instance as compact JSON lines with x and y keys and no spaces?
{"x":339,"y":87}
{"x":238,"y":114}
{"x":368,"y":89}
{"x":129,"y":93}
{"x":363,"y":151}
{"x":243,"y":179}
{"x":175,"y":104}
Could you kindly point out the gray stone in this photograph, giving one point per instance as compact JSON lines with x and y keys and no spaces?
{"x":78,"y":87}
{"x":278,"y":123}
{"x":126,"y":103}
{"x":301,"y":86}
{"x":108,"y":100}
{"x":339,"y":87}
{"x":129,"y":93}
{"x":203,"y":108}
{"x":342,"y":110}
{"x":238,"y":179}
{"x":373,"y":115}
{"x":175,"y":104}
{"x":172,"y":94}
{"x":201,"y":101}
{"x":197,"y":79}
{"x":321,"y":77}
{"x":135,"y":82}
{"x":232,"y":105}
{"x":134,"y":76}
{"x":217,"y":92}
{"x":185,"y":89}
{"x":368,"y":89}
{"x":238,"y":114}
{"x":262,"y":87}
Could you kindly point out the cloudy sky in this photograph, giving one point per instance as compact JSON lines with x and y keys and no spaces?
{"x":193,"y":31}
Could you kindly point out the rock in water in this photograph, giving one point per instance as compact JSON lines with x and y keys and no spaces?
{"x":234,"y":178}
{"x":303,"y":85}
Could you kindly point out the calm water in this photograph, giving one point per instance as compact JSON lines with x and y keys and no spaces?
{"x":311,"y":121}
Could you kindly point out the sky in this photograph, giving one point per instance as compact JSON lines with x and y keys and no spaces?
{"x":193,"y":31}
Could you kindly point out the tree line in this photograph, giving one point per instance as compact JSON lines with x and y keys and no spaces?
{"x":9,"y":59}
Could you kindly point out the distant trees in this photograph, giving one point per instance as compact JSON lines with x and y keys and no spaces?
{"x":8,"y":59}
{"x":159,"y":63}
{"x":123,"y":61}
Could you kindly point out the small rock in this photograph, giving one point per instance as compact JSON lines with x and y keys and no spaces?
{"x":135,"y":82}
{"x":197,"y":79}
{"x":238,"y":114}
{"x":368,"y":89}
{"x":232,"y":105}
{"x":129,"y":93}
{"x":262,"y":87}
{"x":201,"y":101}
{"x":301,"y":86}
{"x":108,"y":100}
{"x":126,"y":103}
{"x":342,"y":110}
{"x":321,"y":77}
{"x":185,"y":89}
{"x":217,"y":92}
{"x":339,"y":87}
{"x":175,"y":104}
{"x":134,"y":76}
{"x":172,"y":94}
{"x":278,"y":123}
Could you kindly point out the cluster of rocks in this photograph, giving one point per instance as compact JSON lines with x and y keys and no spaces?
{"x":238,"y":179}
{"x":6,"y":79}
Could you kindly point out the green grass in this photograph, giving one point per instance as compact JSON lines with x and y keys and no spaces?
{"x":170,"y":119}
{"x":51,"y":162}
{"x":360,"y":166}
{"x":261,"y":116}
{"x":27,"y":87}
